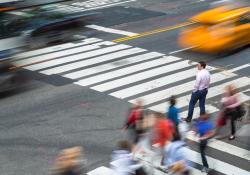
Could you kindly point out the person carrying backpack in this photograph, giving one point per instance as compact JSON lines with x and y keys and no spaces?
{"x":173,"y":113}
{"x":231,"y":109}
{"x":175,"y":157}
{"x":123,"y":162}
{"x":135,"y":117}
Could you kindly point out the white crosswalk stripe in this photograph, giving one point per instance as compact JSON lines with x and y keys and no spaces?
{"x":124,"y":71}
{"x":147,"y":74}
{"x":130,"y":73}
{"x":166,"y":93}
{"x":57,"y":48}
{"x":96,"y":60}
{"x":213,"y":91}
{"x":47,"y":57}
{"x":115,"y":64}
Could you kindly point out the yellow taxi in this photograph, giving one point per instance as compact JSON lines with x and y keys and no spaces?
{"x":217,"y":30}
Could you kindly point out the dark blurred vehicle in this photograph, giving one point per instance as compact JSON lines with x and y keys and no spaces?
{"x":41,"y":25}
{"x":9,"y":77}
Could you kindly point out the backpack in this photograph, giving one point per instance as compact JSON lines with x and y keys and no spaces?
{"x":241,"y":111}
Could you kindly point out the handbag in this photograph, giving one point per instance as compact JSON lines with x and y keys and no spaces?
{"x":222,"y":119}
{"x":240,"y":112}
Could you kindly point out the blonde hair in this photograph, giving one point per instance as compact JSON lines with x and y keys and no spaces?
{"x":231,"y":89}
{"x":68,"y":159}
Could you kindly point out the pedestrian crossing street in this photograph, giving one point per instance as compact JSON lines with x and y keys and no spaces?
{"x":129,"y":73}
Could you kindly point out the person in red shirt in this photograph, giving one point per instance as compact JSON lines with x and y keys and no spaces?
{"x":135,"y":116}
{"x":163,"y":130}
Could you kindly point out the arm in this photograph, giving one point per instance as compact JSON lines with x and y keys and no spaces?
{"x":208,"y":135}
{"x":129,"y":120}
{"x":197,"y":83}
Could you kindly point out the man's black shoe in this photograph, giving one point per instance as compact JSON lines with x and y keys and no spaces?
{"x":188,"y":120}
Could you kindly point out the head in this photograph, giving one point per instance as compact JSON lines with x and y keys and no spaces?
{"x":230,"y":89}
{"x":124,"y":145}
{"x":172,"y":100}
{"x":201,"y":65}
{"x":176,"y":137}
{"x":204,"y":117}
{"x":158,"y":115}
{"x":138,"y":104}
{"x":68,"y":159}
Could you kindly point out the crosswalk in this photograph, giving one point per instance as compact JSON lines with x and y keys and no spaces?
{"x":129,"y":73}
{"x":77,"y":7}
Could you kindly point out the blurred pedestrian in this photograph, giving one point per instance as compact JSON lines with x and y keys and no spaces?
{"x":230,"y":109}
{"x":205,"y":129}
{"x":134,"y":120}
{"x":173,"y":113}
{"x":123,"y":162}
{"x":175,"y":156}
{"x":163,"y":130}
{"x":200,"y":90}
{"x":70,"y":161}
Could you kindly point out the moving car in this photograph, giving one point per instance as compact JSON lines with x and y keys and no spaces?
{"x":10,"y":78}
{"x":220,"y":30}
{"x":44,"y":24}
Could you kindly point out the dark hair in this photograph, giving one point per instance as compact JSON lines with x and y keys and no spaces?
{"x":172,"y":100}
{"x":124,"y":145}
{"x":203,"y":64}
{"x":204,"y":116}
{"x":176,"y":136}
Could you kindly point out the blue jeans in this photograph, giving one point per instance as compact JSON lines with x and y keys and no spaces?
{"x":198,"y":95}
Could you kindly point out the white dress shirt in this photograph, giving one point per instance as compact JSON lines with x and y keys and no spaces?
{"x":202,"y":80}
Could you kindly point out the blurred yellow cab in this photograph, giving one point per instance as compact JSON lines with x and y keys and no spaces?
{"x":218,"y":30}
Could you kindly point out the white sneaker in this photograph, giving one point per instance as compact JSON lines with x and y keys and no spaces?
{"x":205,"y":170}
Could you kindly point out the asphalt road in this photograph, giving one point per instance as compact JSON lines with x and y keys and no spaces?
{"x":52,"y":113}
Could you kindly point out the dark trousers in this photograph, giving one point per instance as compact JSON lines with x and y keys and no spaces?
{"x":232,"y":126}
{"x":198,"y":95}
{"x":232,"y":115}
{"x":203,"y":146}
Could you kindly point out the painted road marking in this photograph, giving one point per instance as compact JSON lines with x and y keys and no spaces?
{"x":129,"y":74}
{"x":115,"y":64}
{"x":51,"y":56}
{"x":125,"y":71}
{"x":211,"y":109}
{"x":110,"y":30}
{"x":216,"y":164}
{"x":224,"y":147}
{"x":212,"y":92}
{"x":152,"y":32}
{"x":61,"y":47}
{"x":75,"y":57}
{"x":144,"y":75}
{"x":166,"y":93}
{"x":123,"y":51}
{"x":181,"y":50}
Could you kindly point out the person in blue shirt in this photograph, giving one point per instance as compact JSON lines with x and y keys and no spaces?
{"x":205,"y":129}
{"x":173,"y":113}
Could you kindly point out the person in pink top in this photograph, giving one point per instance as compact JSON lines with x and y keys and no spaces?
{"x":230,"y":102}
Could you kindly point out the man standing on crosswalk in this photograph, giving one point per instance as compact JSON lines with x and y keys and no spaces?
{"x":200,"y":90}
